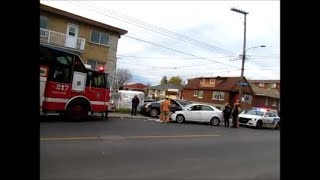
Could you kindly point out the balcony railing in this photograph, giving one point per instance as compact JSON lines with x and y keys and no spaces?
{"x":60,"y":39}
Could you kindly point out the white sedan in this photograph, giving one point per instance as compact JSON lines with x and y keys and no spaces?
{"x":259,"y":118}
{"x":198,"y":113}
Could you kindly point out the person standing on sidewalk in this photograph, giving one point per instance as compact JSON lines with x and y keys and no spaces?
{"x":235,"y":113}
{"x":226,"y":114}
{"x":165,"y":110}
{"x":135,"y":103}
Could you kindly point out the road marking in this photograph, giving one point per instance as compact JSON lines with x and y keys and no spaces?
{"x":125,"y":137}
{"x":68,"y":138}
{"x":172,"y":136}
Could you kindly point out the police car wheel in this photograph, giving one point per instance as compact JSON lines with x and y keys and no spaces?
{"x":259,"y":124}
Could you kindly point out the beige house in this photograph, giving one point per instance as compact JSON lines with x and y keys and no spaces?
{"x":95,"y":42}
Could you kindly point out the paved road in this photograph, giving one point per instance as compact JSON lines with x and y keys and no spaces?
{"x":146,"y":149}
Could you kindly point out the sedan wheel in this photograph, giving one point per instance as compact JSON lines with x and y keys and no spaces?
{"x":180,"y":118}
{"x":153,"y":113}
{"x":215,"y":121}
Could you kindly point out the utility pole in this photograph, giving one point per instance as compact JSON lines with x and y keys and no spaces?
{"x":244,"y":48}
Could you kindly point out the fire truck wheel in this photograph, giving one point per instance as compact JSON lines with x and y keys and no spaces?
{"x":78,"y":110}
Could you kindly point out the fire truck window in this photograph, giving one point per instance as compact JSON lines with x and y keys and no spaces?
{"x":98,"y":81}
{"x":78,"y":65}
{"x":62,"y":69}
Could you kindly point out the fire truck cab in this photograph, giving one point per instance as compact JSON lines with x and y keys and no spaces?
{"x":69,"y":88}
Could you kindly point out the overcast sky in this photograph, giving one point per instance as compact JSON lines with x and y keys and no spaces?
{"x":192,"y":38}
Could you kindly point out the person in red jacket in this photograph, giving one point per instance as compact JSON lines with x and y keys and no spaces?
{"x":165,"y":110}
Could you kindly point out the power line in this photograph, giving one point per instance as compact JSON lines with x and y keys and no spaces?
{"x":160,"y":30}
{"x":177,"y":50}
{"x":139,"y":57}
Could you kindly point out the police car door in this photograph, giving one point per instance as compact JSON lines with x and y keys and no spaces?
{"x":274,"y":118}
{"x":267,"y":119}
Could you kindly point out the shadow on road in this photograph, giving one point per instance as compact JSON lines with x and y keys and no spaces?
{"x":57,"y":118}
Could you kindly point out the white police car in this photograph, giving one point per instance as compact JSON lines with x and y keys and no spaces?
{"x":260,"y":117}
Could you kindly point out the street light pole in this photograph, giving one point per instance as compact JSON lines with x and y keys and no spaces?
{"x":244,"y":47}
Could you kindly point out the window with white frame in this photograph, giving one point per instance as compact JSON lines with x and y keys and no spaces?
{"x":218,"y":95}
{"x":95,"y":64}
{"x":202,"y":81}
{"x":273,"y":85}
{"x":200,"y":94}
{"x":99,"y":38}
{"x":195,"y":93}
{"x":43,"y":22}
{"x":212,"y":81}
{"x":261,"y":84}
{"x":267,"y":101}
{"x":247,"y":98}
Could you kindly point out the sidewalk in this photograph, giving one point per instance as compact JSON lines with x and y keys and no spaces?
{"x":123,"y":115}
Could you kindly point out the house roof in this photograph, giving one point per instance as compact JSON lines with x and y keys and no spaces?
{"x":226,"y":84}
{"x":264,"y":81}
{"x":165,"y":87}
{"x":136,"y":86}
{"x":52,"y":10}
{"x":266,"y":92}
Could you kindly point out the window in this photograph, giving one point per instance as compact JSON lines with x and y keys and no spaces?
{"x":202,"y":81}
{"x":273,"y":85}
{"x":43,"y":22}
{"x":261,"y":84}
{"x":72,"y":31}
{"x":247,"y":98}
{"x":206,"y":108}
{"x":273,"y":115}
{"x":195,"y":93}
{"x":212,"y":81}
{"x":98,"y":81}
{"x":200,"y":94}
{"x":61,"y":71}
{"x":267,"y":114}
{"x":100,"y":38}
{"x":195,"y":108}
{"x":218,"y":95}
{"x":95,"y":64}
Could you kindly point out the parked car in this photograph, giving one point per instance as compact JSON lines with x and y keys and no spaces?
{"x":260,"y":117}
{"x":198,"y":113}
{"x":150,"y":100}
{"x":153,"y":108}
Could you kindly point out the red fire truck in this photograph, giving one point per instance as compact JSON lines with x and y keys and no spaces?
{"x":69,"y":88}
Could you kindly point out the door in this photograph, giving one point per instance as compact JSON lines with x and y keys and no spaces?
{"x":267,"y":119}
{"x":206,"y":113}
{"x":194,"y":114}
{"x":72,"y":35}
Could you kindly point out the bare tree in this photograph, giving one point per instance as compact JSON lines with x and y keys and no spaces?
{"x":122,"y":76}
{"x":149,"y":84}
{"x":164,"y":80}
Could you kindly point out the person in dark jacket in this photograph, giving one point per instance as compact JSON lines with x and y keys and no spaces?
{"x":226,"y":114}
{"x":135,"y":102}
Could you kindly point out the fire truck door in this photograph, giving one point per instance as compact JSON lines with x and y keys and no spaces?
{"x":79,"y":81}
